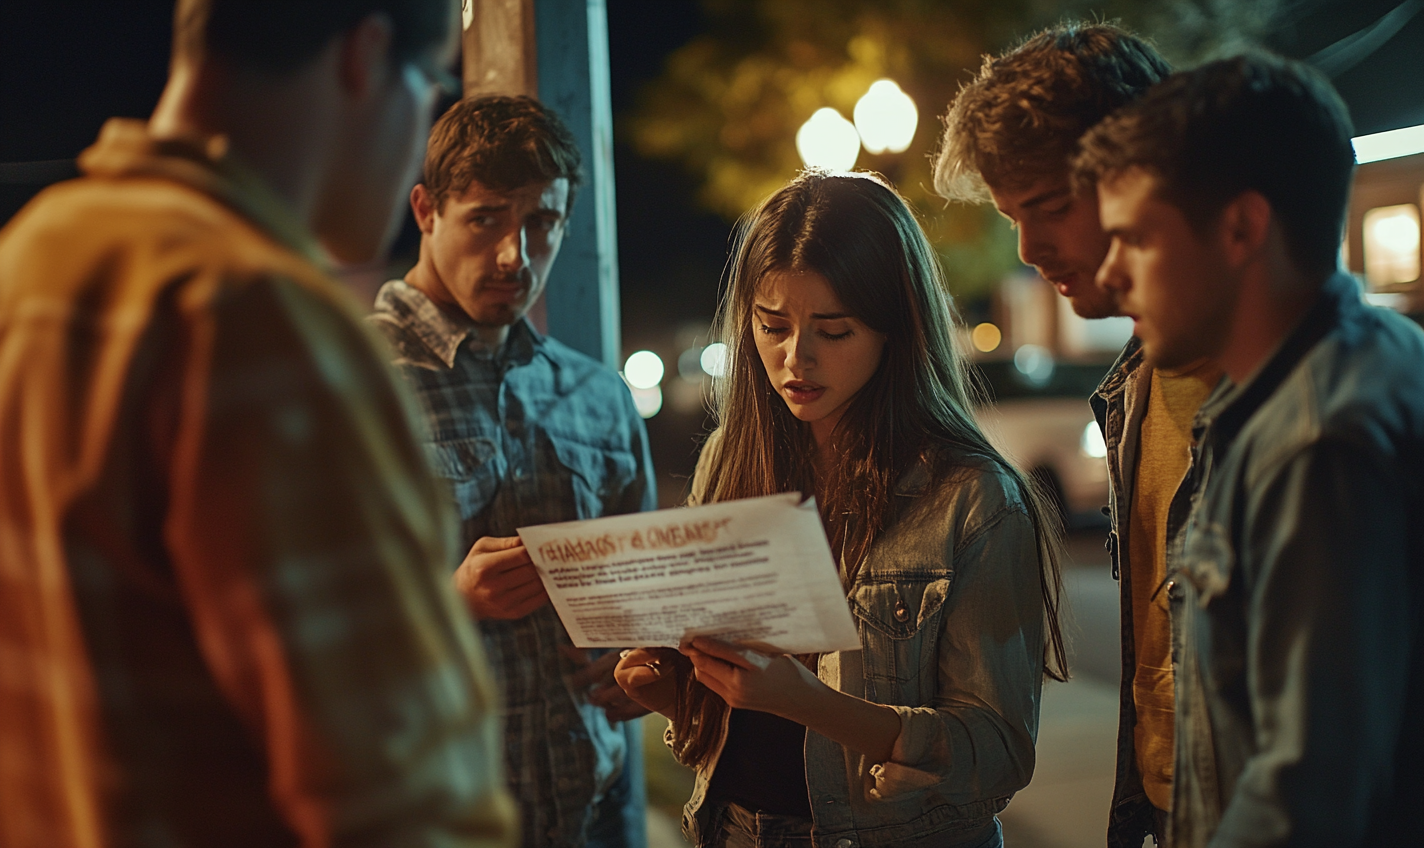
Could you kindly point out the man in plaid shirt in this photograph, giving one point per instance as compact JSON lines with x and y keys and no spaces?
{"x":526,"y":431}
{"x":225,"y":618}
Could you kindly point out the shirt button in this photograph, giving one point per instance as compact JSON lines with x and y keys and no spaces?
{"x":1171,"y":584}
{"x":844,"y":843}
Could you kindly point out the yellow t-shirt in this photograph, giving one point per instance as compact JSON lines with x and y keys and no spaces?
{"x":1163,"y":455}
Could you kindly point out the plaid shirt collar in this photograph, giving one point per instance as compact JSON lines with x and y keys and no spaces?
{"x":444,"y":331}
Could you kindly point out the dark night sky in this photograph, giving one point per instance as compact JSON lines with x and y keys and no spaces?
{"x":66,"y":66}
{"x":669,"y":252}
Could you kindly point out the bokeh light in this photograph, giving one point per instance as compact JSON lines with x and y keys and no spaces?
{"x":648,"y":401}
{"x":885,"y":118}
{"x":986,"y":337}
{"x":714,"y":359}
{"x":1092,"y":443}
{"x":828,"y":140}
{"x":689,"y":364}
{"x":643,"y":370}
{"x":1035,"y":364}
{"x":1392,"y":244}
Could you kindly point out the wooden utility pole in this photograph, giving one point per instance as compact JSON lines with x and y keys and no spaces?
{"x":557,"y":50}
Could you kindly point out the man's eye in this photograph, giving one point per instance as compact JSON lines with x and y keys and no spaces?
{"x":484,"y":220}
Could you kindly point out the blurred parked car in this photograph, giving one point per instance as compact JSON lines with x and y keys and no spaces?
{"x":1036,"y":413}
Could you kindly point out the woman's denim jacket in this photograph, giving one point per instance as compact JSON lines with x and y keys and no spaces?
{"x":950,"y":613}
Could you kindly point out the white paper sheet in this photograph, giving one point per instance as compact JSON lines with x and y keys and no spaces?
{"x":757,"y":572}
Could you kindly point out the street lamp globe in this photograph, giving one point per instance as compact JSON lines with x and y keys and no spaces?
{"x":886,"y":117}
{"x":828,"y":140}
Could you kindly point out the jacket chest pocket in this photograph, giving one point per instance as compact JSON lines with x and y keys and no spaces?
{"x":472,"y":468}
{"x":1215,"y":631}
{"x":899,"y":625}
{"x":1207,"y":560}
{"x":599,"y":476}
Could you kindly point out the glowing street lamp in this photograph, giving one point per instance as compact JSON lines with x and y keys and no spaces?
{"x":885,"y":118}
{"x":828,"y":140}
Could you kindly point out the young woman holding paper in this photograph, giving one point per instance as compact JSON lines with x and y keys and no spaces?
{"x":844,"y":381}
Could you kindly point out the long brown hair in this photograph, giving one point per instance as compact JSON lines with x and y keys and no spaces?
{"x":860,"y":235}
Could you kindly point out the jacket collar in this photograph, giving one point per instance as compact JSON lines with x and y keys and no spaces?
{"x":126,"y":149}
{"x":1128,"y":361}
{"x":442,"y":332}
{"x":915,"y":480}
{"x":1230,"y":407}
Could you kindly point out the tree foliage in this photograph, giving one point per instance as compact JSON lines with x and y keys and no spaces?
{"x":729,"y":103}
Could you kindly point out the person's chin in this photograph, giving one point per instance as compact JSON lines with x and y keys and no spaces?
{"x":806,"y":412}
{"x":1164,"y":355}
{"x":498,"y":314}
{"x":1093,"y":306}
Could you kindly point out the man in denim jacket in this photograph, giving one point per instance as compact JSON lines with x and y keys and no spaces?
{"x":1299,"y":710}
{"x":1008,"y":139}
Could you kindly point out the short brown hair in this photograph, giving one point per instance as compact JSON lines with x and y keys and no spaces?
{"x":282,"y":35}
{"x":1020,"y":119}
{"x":502,"y":143}
{"x":1256,"y":122}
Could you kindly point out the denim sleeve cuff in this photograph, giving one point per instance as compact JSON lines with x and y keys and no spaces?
{"x":897,"y":776}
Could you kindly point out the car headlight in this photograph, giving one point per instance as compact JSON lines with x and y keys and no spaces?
{"x":1092,"y":444}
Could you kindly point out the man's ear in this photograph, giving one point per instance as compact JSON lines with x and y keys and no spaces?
{"x":364,"y":55}
{"x":422,"y":205}
{"x":1245,"y":225}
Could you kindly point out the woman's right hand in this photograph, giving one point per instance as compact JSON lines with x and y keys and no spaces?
{"x":649,"y":677}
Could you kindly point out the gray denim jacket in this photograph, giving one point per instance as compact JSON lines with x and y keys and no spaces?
{"x":1300,"y":689}
{"x":950,"y":615}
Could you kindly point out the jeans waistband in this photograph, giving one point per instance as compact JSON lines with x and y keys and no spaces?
{"x":767,"y":829}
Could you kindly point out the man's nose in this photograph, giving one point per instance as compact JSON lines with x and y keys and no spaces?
{"x":514,"y":250}
{"x":1033,"y":248}
{"x":1111,"y":276}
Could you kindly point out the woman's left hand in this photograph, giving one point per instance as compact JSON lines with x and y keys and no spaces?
{"x":751,"y":681}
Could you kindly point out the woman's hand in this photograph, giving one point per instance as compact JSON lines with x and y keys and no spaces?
{"x":647,"y":676}
{"x":782,"y":686}
{"x":748,"y":680}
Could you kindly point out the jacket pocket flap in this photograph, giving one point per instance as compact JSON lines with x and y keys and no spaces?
{"x":900,"y":608}
{"x":605,"y":470}
{"x":1207,"y":560}
{"x":458,"y":459}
